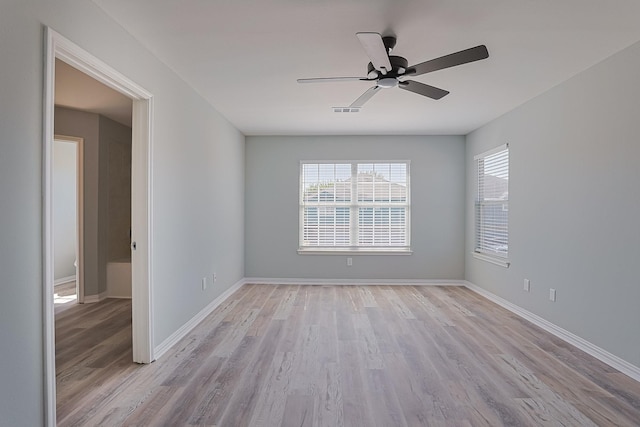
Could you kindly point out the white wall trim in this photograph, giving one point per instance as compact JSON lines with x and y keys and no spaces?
{"x":91,"y":299}
{"x":584,"y":345}
{"x":195,"y":320}
{"x":492,"y":259}
{"x":141,"y":226}
{"x":354,"y":282}
{"x":63,"y":280}
{"x":48,"y":320}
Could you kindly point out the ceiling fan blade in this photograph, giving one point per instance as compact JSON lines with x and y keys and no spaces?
{"x":358,"y":103}
{"x":376,"y":51}
{"x":423,"y":89}
{"x":331,"y":79}
{"x":464,"y":56}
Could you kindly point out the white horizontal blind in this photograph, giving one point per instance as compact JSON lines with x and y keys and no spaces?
{"x":354,"y":205}
{"x":492,"y":204}
{"x":326,"y":201}
{"x":382,"y":204}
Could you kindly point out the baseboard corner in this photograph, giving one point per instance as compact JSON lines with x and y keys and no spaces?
{"x":91,"y":299}
{"x":599,"y":353}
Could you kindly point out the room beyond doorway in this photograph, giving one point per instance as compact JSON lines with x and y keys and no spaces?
{"x":58,"y":47}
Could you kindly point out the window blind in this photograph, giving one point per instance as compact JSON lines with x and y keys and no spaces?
{"x":354,"y":205}
{"x":492,"y":203}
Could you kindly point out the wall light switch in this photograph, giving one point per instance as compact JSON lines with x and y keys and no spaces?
{"x":527,"y":285}
{"x":204,"y":283}
{"x":349,"y":262}
{"x":552,"y":294}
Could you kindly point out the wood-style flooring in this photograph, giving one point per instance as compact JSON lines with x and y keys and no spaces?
{"x":337,"y":356}
{"x":64,"y":296}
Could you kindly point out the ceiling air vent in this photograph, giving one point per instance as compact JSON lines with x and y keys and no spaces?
{"x":346,"y":109}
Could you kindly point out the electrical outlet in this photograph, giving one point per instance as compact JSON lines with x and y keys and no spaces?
{"x":527,"y":285}
{"x":349,"y":262}
{"x":215,"y":277}
{"x":204,"y":283}
{"x":552,"y":294}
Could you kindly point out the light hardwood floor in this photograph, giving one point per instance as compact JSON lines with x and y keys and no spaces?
{"x":338,"y":355}
{"x":64,"y":296}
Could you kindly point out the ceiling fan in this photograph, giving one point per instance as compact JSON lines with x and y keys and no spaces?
{"x":391,"y":71}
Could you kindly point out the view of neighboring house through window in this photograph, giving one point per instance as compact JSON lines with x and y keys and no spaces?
{"x":354,"y":206}
{"x":492,"y":204}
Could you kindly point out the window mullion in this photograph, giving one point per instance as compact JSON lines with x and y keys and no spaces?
{"x":353,"y":210}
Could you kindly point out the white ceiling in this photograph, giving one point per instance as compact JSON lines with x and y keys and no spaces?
{"x":74,"y":89}
{"x":244,"y":56}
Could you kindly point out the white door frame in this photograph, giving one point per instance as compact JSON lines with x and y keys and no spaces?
{"x":79,"y":142}
{"x":57,"y":46}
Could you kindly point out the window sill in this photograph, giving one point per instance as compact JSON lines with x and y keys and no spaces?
{"x":354,"y":251}
{"x":492,"y":259}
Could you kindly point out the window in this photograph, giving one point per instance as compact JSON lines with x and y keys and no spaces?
{"x":354,"y":206}
{"x":492,"y":204}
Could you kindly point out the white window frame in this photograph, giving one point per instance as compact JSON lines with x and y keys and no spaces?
{"x":480,"y":250}
{"x":353,"y":248}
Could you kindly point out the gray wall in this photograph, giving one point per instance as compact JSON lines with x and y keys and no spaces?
{"x":117,"y":138}
{"x":198,"y":177}
{"x":64,"y":209}
{"x":85,"y":125}
{"x":437,"y":211}
{"x":574,"y":205}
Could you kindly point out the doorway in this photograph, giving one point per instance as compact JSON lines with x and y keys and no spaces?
{"x":58,"y":47}
{"x":68,"y":220}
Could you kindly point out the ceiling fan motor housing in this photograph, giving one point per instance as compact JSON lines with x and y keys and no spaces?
{"x":389,"y":42}
{"x":398,"y":67}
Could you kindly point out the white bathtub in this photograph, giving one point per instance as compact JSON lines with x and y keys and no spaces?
{"x":119,"y":279}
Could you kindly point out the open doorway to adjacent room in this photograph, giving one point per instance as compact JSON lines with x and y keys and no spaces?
{"x":97,"y":226}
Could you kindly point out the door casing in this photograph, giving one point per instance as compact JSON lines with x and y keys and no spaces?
{"x":57,"y":46}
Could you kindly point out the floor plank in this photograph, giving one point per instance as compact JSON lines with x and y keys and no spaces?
{"x":289,"y":355}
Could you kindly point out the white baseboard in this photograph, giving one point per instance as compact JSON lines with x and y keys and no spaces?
{"x":90,"y":299}
{"x":354,"y":282}
{"x":584,"y":345}
{"x":63,"y":280}
{"x":162,"y":348}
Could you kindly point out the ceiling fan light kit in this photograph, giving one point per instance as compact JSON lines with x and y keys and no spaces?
{"x":388,"y":82}
{"x":389,"y":71}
